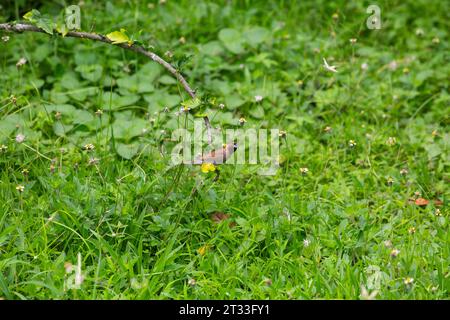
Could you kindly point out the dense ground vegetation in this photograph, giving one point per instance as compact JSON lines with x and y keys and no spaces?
{"x":85,"y":183}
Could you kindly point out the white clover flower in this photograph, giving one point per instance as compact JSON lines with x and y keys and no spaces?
{"x":20,"y":138}
{"x":21,"y":62}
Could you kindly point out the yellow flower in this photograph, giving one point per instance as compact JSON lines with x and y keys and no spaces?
{"x":20,"y":188}
{"x":208,"y":167}
{"x":202,"y":250}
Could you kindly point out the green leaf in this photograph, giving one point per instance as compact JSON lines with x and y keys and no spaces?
{"x":35,"y":17}
{"x":256,"y":35}
{"x":135,"y":83}
{"x":91,"y":72}
{"x":82,"y":117}
{"x":32,"y":15}
{"x":233,"y":101}
{"x":45,"y":24}
{"x":118,"y":101}
{"x":61,"y":129}
{"x":191,"y":103}
{"x":62,"y":29}
{"x":117,"y":37}
{"x":128,"y":128}
{"x":165,"y":79}
{"x":127,"y":151}
{"x":232,"y":40}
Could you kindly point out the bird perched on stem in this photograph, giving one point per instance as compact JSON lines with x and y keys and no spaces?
{"x":219,"y":156}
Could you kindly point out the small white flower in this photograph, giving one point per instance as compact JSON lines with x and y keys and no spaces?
{"x":192,"y":282}
{"x":353,"y":40}
{"x":89,"y":147}
{"x":258,"y":98}
{"x":93,"y":161}
{"x":5,"y":38}
{"x":20,"y":138}
{"x":395,"y":253}
{"x":184,"y":109}
{"x":391,"y":141}
{"x":364,"y":66}
{"x":328,"y":67}
{"x":21,"y":62}
{"x":306,"y":243}
{"x":221,"y":106}
{"x":393,"y":65}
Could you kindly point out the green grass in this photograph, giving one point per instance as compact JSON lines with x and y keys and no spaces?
{"x":140,"y":230}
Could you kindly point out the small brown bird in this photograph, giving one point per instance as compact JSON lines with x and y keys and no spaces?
{"x":217,"y":156}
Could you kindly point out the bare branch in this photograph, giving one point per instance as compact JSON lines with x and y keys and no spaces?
{"x":22,"y":27}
